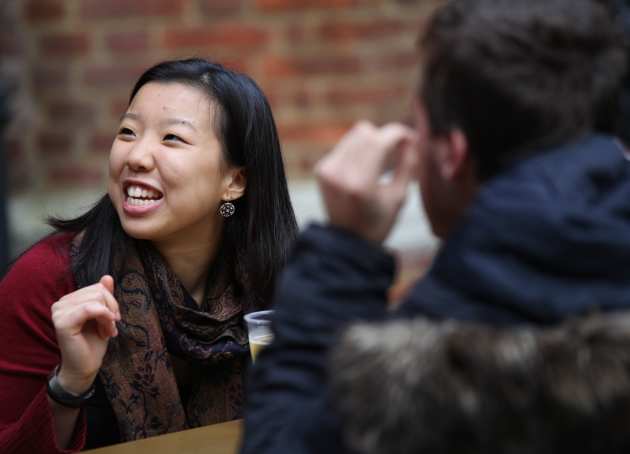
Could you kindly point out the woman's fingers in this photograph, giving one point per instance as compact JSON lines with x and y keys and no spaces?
{"x":101,"y":291}
{"x":106,"y":328}
{"x":75,"y":321}
{"x":108,"y":286}
{"x":108,"y":282}
{"x":78,"y":315}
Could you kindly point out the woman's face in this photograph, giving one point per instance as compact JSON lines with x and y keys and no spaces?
{"x":167,"y":175}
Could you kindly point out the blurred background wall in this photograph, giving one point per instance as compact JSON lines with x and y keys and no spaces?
{"x":70,"y":65}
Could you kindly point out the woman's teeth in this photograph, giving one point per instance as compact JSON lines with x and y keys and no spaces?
{"x":140,"y":202}
{"x":139,"y":192}
{"x":139,"y":196}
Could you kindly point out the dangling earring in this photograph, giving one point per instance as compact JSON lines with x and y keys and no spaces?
{"x":227,"y":209}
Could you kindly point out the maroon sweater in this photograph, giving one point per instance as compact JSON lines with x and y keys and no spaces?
{"x":29,"y":350}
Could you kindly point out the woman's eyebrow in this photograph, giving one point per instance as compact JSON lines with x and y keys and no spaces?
{"x":179,"y":121}
{"x":130,"y":115}
{"x":167,"y":121}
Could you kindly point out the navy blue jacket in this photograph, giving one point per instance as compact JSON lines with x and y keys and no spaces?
{"x":545,"y":240}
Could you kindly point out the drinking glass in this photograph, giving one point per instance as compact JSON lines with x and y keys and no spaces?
{"x":259,"y":330}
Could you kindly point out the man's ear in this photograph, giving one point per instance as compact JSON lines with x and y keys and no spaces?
{"x":235,"y":183}
{"x":454,"y":156}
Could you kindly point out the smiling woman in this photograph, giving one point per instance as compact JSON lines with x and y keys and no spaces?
{"x":148,"y":289}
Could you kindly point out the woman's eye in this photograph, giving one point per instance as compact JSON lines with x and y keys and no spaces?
{"x":173,"y":137}
{"x":125,"y":132}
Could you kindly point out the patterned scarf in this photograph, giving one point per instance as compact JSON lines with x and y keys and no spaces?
{"x":160,"y":319}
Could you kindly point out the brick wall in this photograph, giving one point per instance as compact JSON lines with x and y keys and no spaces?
{"x":323,"y":64}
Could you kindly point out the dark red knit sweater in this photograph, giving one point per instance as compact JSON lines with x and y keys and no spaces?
{"x":28,"y":348}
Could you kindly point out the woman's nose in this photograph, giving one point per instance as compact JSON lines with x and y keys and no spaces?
{"x":140,"y":157}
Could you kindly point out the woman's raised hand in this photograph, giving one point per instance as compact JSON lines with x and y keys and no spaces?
{"x":84,"y":321}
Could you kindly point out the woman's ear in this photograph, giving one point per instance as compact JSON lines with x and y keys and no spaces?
{"x":235,"y":183}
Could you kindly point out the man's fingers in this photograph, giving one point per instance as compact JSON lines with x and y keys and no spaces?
{"x":394,"y":192}
{"x":344,"y":150}
{"x":406,"y":165}
{"x":363,"y":154}
{"x":351,"y":178}
{"x":393,"y":133}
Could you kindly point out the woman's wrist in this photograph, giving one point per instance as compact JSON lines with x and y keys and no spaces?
{"x":74,"y":383}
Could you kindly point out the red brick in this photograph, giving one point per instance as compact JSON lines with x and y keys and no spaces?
{"x":127,"y":42}
{"x":236,"y":64}
{"x":296,"y":33}
{"x":101,"y":142}
{"x":118,"y":76}
{"x":212,"y":8}
{"x":301,"y":97}
{"x":226,"y":35}
{"x":323,"y":134}
{"x":313,"y":66}
{"x":117,"y":107}
{"x":366,"y":95}
{"x":69,"y":111}
{"x":116,"y":9}
{"x":308,"y":161}
{"x":74,"y":174}
{"x":279,"y":5}
{"x":353,"y":31}
{"x":64,"y":44}
{"x":300,"y":158}
{"x":54,"y":143}
{"x":46,"y":79}
{"x":44,"y":10}
{"x":306,"y":165}
{"x":398,"y":61}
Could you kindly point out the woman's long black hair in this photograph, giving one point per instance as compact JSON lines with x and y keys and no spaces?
{"x":257,"y":237}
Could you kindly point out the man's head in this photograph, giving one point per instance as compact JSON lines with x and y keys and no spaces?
{"x":502,"y":79}
{"x":419,"y":386}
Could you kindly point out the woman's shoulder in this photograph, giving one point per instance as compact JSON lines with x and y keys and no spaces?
{"x":49,"y":254}
{"x":44,"y":269}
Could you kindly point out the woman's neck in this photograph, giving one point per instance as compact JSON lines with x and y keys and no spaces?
{"x":190,"y":263}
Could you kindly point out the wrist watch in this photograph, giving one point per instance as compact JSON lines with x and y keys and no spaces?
{"x":63,"y":397}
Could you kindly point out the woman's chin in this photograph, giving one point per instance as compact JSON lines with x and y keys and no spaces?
{"x":140,"y":232}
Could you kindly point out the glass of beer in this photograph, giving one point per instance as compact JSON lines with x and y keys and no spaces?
{"x":259,"y":330}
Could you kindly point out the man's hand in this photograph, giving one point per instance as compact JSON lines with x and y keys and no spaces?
{"x":358,"y":193}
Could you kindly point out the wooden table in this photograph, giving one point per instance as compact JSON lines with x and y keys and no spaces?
{"x":221,"y":438}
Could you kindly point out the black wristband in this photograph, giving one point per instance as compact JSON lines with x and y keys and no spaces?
{"x":63,"y":397}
